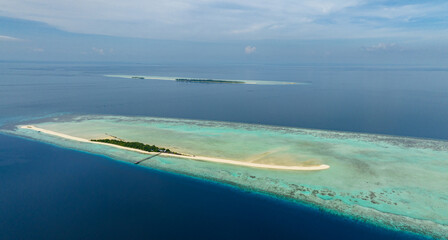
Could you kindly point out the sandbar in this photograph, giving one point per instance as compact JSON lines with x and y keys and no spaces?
{"x":197,"y":158}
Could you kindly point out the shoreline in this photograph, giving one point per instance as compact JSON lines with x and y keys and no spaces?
{"x":197,"y":158}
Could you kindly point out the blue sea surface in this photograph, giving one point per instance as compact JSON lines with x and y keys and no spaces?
{"x":48,"y":192}
{"x":401,"y":100}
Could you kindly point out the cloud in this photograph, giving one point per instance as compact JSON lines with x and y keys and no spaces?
{"x":383,"y":47}
{"x":99,"y":51}
{"x":249,"y":29}
{"x":211,"y":20}
{"x":249,"y":49}
{"x":8,"y":38}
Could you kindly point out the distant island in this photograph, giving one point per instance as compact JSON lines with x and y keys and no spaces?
{"x":136,"y":145}
{"x":207,"y":80}
{"x":198,"y":80}
{"x":195,"y":80}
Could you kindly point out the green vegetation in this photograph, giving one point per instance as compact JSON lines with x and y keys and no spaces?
{"x":205,"y":80}
{"x":138,"y":77}
{"x":136,"y":145}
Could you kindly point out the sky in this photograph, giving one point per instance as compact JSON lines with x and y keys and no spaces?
{"x":281,"y":31}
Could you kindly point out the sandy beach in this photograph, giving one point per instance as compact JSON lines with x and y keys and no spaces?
{"x":197,"y":158}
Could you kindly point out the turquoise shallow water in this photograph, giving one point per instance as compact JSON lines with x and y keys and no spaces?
{"x":391,"y":181}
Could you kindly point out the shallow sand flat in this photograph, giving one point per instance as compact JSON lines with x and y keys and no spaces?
{"x":395,"y":182}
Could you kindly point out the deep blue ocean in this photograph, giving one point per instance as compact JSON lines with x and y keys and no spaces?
{"x":47,"y":192}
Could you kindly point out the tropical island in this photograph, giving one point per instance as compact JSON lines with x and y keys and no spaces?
{"x":196,"y":80}
{"x":152,"y":149}
{"x":207,"y":80}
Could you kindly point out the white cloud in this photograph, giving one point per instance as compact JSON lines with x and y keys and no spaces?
{"x":249,"y":49}
{"x":249,"y":29}
{"x":235,"y":19}
{"x":8,"y":38}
